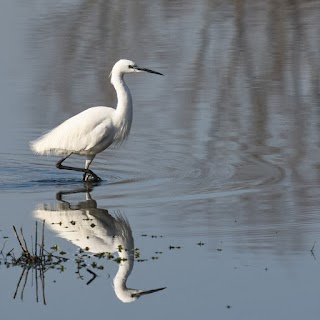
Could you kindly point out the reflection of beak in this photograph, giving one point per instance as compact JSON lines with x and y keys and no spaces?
{"x":147,"y":70}
{"x":142,"y":292}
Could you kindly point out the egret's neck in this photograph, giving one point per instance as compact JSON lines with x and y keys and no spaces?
{"x":124,"y":106}
{"x":125,"y":268}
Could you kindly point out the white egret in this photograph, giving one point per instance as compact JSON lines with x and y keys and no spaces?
{"x":86,"y":225}
{"x":94,"y":129}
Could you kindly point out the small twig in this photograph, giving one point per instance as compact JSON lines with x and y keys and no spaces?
{"x":1,"y":251}
{"x":24,"y":240}
{"x":32,"y":246}
{"x":17,"y":236}
{"x":312,"y":252}
{"x":36,"y":239}
{"x":18,"y":284}
{"x":37,"y":290}
{"x":24,"y":285}
{"x":94,"y":275}
{"x":42,"y":242}
{"x":5,"y":257}
{"x":43,"y":289}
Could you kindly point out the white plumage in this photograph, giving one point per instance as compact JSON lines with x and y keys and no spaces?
{"x":78,"y":135}
{"x":89,"y":226}
{"x":95,"y":129}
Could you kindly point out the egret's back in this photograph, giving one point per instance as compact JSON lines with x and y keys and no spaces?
{"x":88,"y":132}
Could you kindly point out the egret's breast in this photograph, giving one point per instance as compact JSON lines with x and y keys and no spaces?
{"x":122,"y":131}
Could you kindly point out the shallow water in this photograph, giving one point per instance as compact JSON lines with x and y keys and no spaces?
{"x":219,"y":179}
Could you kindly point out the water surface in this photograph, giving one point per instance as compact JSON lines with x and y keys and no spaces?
{"x":219,"y":179}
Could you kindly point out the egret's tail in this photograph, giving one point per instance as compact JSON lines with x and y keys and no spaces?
{"x":39,"y":146}
{"x":47,"y":144}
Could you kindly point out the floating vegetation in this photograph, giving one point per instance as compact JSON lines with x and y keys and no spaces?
{"x":87,"y":264}
{"x":100,"y":255}
{"x":141,"y":260}
{"x":55,"y":247}
{"x":119,"y":260}
{"x":151,"y":236}
{"x":37,"y":259}
{"x":174,"y":247}
{"x":109,"y":256}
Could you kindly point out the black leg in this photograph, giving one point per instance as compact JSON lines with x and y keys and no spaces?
{"x":87,"y":172}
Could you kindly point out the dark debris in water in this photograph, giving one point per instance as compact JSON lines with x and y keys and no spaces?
{"x":174,"y":247}
{"x":35,"y":257}
{"x":151,"y":236}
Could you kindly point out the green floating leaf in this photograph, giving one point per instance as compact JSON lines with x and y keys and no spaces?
{"x":109,"y":256}
{"x":118,"y":260}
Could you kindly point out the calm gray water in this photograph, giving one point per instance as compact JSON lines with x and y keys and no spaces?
{"x":218,"y":181}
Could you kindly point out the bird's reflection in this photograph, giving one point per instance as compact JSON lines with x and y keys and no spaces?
{"x":86,"y":225}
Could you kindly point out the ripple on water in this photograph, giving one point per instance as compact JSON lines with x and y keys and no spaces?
{"x":156,"y":178}
{"x":178,"y":178}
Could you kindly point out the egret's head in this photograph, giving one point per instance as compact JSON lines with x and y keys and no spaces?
{"x":127,"y":66}
{"x":131,"y":295}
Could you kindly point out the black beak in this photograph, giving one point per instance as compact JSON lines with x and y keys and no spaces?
{"x":152,"y":291}
{"x":148,"y":70}
{"x":142,"y":292}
